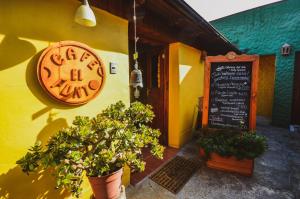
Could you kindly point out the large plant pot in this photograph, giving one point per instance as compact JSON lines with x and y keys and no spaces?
{"x":231,"y":164}
{"x":107,"y":187}
{"x":202,"y":153}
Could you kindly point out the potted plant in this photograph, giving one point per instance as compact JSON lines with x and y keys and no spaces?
{"x":231,"y":150}
{"x":97,"y":147}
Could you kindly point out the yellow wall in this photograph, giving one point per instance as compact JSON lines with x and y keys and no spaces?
{"x":27,"y":114}
{"x":186,"y":81}
{"x":266,"y":85}
{"x":173,"y":95}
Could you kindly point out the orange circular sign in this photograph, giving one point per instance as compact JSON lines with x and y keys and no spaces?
{"x":71,"y":72}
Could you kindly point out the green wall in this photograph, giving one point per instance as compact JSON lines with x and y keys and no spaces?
{"x":263,"y":31}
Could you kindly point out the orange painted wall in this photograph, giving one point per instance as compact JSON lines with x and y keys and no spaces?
{"x":266,"y":83}
{"x":174,"y":137}
{"x":186,"y":80}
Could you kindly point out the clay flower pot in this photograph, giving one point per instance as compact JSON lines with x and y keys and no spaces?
{"x":231,"y":164}
{"x":107,"y":187}
{"x":202,"y":153}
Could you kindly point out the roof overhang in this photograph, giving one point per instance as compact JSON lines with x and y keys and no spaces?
{"x":168,"y":21}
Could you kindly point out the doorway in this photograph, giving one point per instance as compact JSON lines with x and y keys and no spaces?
{"x":265,"y":92}
{"x":153,"y":62}
{"x":296,"y":92}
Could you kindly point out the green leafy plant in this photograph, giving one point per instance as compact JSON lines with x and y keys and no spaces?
{"x":97,"y":146}
{"x":227,"y":142}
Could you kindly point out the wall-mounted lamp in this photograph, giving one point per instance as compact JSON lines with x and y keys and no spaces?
{"x":85,"y":15}
{"x":286,"y":49}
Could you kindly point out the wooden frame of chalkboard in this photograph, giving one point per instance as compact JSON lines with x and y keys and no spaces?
{"x":230,"y":89}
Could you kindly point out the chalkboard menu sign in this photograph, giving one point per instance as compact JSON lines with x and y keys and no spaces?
{"x":230,"y":91}
{"x":229,"y":96}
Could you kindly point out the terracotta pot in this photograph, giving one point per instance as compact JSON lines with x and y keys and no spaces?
{"x":107,"y":187}
{"x":202,"y":153}
{"x":231,"y":164}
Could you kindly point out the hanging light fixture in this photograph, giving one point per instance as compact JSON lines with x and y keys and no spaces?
{"x":136,"y":78}
{"x":85,"y":15}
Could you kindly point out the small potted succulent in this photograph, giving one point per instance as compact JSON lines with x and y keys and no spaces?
{"x":231,"y":150}
{"x":99,"y":148}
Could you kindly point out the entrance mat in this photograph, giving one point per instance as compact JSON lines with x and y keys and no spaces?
{"x":176,"y":173}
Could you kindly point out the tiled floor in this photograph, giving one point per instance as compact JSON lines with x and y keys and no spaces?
{"x":152,"y":164}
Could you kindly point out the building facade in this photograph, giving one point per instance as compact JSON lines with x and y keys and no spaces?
{"x":264,"y":31}
{"x":28,"y":114}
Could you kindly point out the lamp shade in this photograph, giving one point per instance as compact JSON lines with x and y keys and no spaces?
{"x":85,"y":16}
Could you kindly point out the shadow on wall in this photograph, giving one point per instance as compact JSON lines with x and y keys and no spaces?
{"x":191,"y":79}
{"x":37,"y":90}
{"x":15,"y":184}
{"x":14,"y":51}
{"x":52,"y":127}
{"x":53,"y":20}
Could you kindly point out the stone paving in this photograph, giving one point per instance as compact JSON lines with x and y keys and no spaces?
{"x":276,"y":175}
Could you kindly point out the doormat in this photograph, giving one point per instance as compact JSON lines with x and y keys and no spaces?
{"x":175,"y":174}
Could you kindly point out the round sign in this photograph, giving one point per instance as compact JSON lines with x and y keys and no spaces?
{"x":71,"y":72}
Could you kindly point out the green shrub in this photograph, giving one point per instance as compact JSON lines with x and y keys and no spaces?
{"x":226,"y":142}
{"x":97,"y":146}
